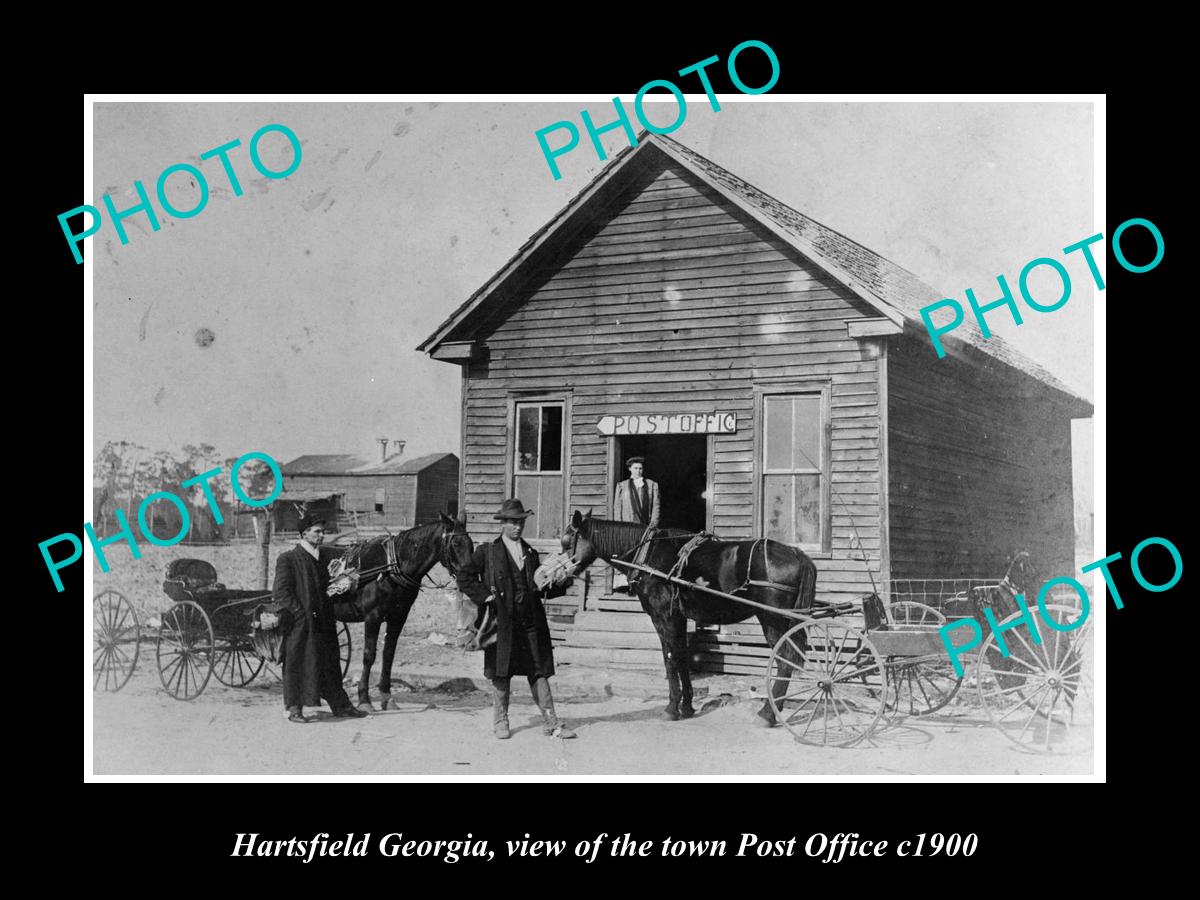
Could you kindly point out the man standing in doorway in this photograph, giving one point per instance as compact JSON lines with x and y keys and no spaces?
{"x":636,"y":500}
{"x":301,"y":606}
{"x":500,"y":580}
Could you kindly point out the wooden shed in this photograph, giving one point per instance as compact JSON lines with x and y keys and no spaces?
{"x":777,"y":379}
{"x":395,"y":493}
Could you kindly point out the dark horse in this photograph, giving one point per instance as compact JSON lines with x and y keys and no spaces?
{"x":386,"y":591}
{"x":725,"y":566}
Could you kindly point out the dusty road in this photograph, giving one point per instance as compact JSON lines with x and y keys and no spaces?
{"x":447,"y":734}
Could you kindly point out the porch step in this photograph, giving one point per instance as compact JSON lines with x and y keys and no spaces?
{"x":618,"y":658}
{"x":617,"y":603}
{"x":598,"y":620}
{"x":578,"y":637}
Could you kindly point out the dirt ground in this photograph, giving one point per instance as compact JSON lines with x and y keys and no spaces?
{"x":443,"y":727}
{"x":446,"y":732}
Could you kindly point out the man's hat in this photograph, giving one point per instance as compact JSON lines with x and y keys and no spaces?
{"x":308,"y":520}
{"x":513,"y":509}
{"x":635,"y":459}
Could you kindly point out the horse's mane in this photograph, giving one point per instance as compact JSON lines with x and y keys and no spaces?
{"x":406,"y":542}
{"x":612,"y":537}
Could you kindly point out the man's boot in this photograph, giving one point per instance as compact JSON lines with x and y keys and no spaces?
{"x":500,"y":692}
{"x":551,"y":726}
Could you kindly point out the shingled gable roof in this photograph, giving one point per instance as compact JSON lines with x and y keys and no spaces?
{"x":891,"y":289}
{"x":323,"y":464}
{"x":400,"y":466}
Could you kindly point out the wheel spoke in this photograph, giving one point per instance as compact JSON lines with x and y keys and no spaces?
{"x":1012,"y":658}
{"x":1033,"y":715}
{"x":118,"y":624}
{"x":177,"y":677}
{"x":1050,"y":720}
{"x":805,"y":693}
{"x":1032,"y":652}
{"x":860,"y":672}
{"x":796,"y":666}
{"x":799,"y":652}
{"x":1025,"y":702}
{"x":837,"y":712}
{"x":840,"y":650}
{"x":816,"y":706}
{"x":1011,"y":676}
{"x":928,"y":702}
{"x":165,"y":670}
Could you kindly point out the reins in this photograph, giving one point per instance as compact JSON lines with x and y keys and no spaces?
{"x":392,"y":567}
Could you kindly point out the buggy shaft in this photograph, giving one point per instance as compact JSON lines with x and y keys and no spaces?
{"x":786,"y":613}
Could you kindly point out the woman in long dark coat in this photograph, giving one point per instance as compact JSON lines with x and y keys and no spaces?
{"x":501,"y":575}
{"x":311,"y":667}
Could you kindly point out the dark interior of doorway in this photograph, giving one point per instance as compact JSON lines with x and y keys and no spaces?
{"x":679,"y":463}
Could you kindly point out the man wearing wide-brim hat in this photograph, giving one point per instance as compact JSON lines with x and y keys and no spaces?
{"x":300,"y":605}
{"x":500,"y":580}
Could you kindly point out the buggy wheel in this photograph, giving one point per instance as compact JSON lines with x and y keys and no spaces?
{"x":116,"y":641}
{"x":185,"y":650}
{"x":345,"y":648}
{"x":920,"y":685}
{"x":1040,"y":695}
{"x":237,"y":663}
{"x":826,"y":683}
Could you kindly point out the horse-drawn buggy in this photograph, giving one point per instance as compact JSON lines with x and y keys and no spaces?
{"x":207,"y":631}
{"x":838,"y":670}
{"x":212,"y":630}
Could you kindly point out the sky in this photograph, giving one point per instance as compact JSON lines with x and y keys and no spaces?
{"x":286,"y":320}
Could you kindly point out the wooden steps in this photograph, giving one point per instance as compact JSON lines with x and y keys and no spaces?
{"x":610,"y":657}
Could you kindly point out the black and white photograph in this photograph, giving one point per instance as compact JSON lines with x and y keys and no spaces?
{"x":426,"y":445}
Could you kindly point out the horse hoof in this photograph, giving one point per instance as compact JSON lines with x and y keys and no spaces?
{"x":761,"y":721}
{"x":386,"y":701}
{"x":367,"y":704}
{"x":669,"y":715}
{"x":686,"y":712}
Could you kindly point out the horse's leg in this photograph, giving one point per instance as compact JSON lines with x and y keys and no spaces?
{"x":679,"y":654}
{"x":395,"y":624}
{"x":370,"y":639}
{"x":656,"y":601}
{"x":792,"y":654}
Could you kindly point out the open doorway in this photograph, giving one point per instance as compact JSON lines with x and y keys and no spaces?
{"x":679,"y":463}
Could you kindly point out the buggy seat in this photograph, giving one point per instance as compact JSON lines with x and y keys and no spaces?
{"x":186,"y":577}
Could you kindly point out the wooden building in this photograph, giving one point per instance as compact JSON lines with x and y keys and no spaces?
{"x":394,"y":493}
{"x":775,"y":375}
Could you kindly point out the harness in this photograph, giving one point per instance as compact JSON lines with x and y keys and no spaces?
{"x":343,"y":577}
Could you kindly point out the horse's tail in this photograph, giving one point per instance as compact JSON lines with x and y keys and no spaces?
{"x":806,"y":587}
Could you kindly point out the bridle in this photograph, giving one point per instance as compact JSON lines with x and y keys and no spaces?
{"x":392,"y":570}
{"x":444,"y":556}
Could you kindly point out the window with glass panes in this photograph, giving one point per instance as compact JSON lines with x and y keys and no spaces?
{"x":538,"y":466}
{"x":794,"y":466}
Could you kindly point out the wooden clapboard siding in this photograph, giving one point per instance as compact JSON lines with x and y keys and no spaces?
{"x":979,"y":467}
{"x":673,"y":300}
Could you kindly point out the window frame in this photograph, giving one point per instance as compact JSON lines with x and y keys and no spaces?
{"x":516,"y":400}
{"x":818,"y":387}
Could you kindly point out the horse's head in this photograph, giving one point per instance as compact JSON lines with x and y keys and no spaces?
{"x":577,"y":541}
{"x":455,"y":546}
{"x":1022,"y":575}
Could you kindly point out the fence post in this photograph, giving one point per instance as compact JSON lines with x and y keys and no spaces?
{"x":262,"y":529}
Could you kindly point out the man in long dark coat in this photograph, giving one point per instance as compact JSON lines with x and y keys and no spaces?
{"x":501,"y":578}
{"x":311,"y":667}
